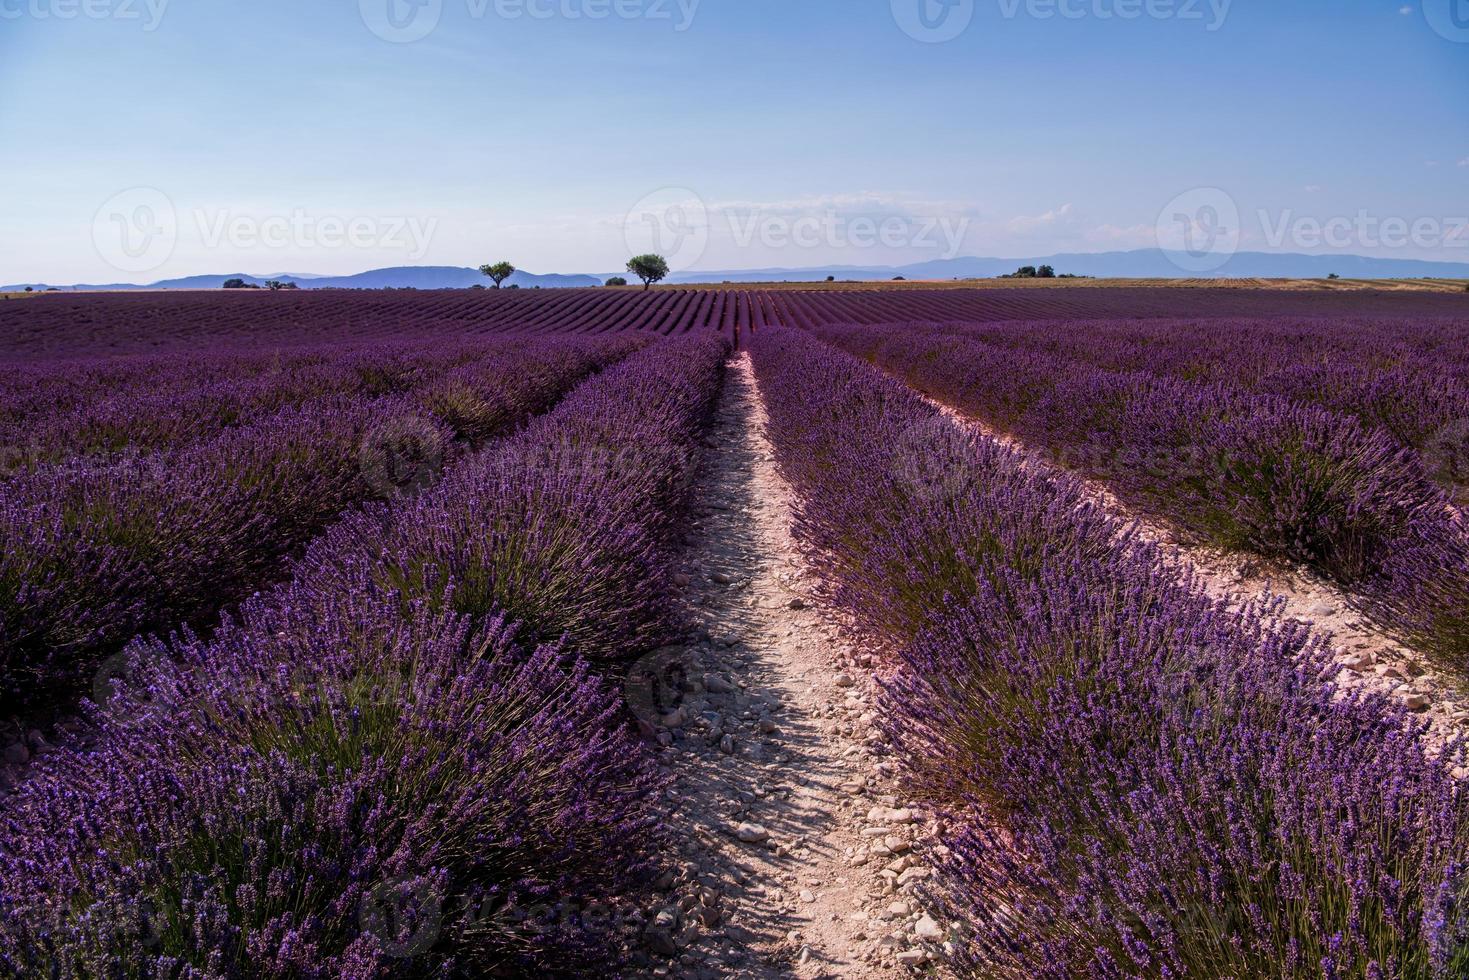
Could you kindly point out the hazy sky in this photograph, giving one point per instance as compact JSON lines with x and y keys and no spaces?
{"x":153,"y":138}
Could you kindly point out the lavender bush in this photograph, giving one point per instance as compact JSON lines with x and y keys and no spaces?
{"x":1142,"y":782}
{"x":355,"y":779}
{"x":566,"y":526}
{"x":1234,"y":469}
{"x":93,"y":553}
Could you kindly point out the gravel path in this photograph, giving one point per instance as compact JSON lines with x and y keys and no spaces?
{"x":796,"y":860}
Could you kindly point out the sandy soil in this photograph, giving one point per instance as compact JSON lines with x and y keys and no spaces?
{"x":796,"y":859}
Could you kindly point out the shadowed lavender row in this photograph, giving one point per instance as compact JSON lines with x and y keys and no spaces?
{"x":1139,"y":782}
{"x":357,"y":780}
{"x":92,"y":553}
{"x":1233,"y":468}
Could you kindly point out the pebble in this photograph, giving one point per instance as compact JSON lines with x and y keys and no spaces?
{"x":807,"y":897}
{"x":844,"y":680}
{"x":17,"y":754}
{"x":797,"y":603}
{"x":752,"y":833}
{"x":717,"y":684}
{"x":928,"y":929}
{"x":1417,"y":702}
{"x":912,"y":957}
{"x":720,"y":578}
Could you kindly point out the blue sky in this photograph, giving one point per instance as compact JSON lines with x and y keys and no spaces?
{"x":275,"y":136}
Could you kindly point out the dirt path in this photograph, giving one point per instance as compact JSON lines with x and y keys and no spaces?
{"x":796,"y":861}
{"x":1367,"y":655}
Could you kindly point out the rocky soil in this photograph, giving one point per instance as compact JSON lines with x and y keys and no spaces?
{"x":796,"y":856}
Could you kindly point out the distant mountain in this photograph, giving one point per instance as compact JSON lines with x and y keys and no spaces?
{"x":402,"y":277}
{"x":1142,"y":264}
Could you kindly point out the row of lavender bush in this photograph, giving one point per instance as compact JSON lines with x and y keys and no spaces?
{"x":102,"y":413}
{"x":358,"y":780}
{"x":1408,"y":376}
{"x":1237,"y":469}
{"x":94,"y":553}
{"x":1139,"y":782}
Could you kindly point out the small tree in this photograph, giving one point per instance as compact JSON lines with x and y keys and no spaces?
{"x":831,"y":278}
{"x":1045,"y":272}
{"x":617,"y":281}
{"x":499,"y":272}
{"x":234,"y":284}
{"x":30,"y":289}
{"x":649,"y":268}
{"x":1333,"y":276}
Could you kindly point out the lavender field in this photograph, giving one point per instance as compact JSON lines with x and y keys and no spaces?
{"x":1086,"y":632}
